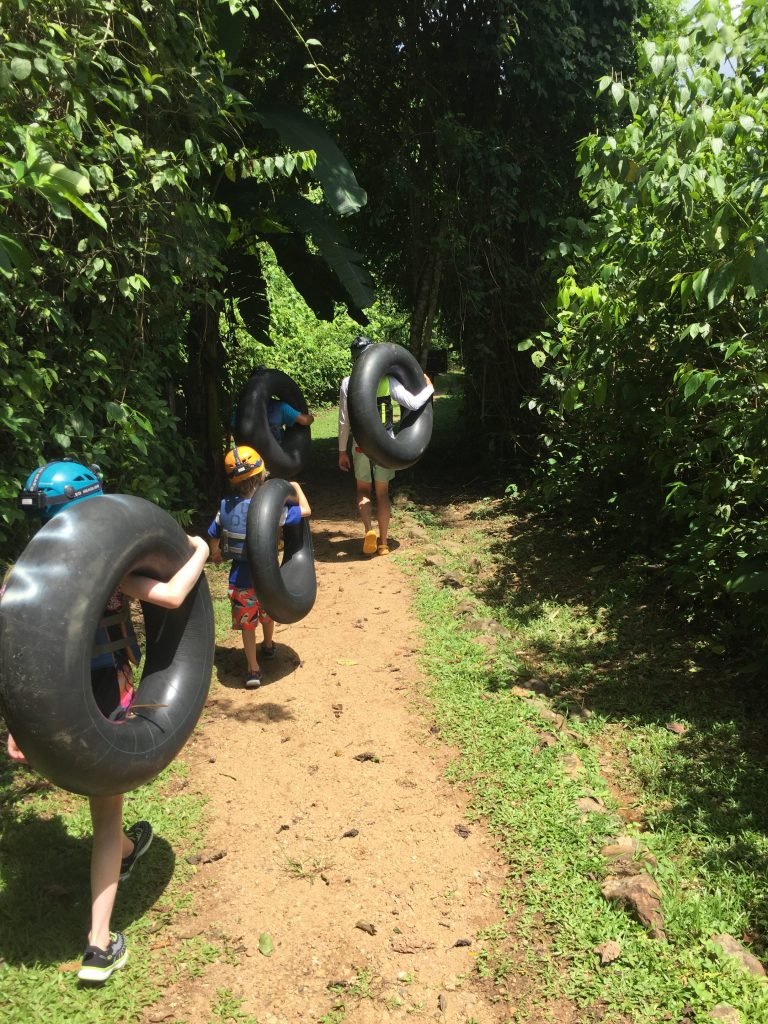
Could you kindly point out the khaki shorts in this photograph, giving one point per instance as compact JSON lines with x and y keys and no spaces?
{"x":364,"y":468}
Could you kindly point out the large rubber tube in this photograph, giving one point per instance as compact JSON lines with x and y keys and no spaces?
{"x":415,"y":431}
{"x":55,"y":596}
{"x":286,"y":590}
{"x":252,"y":425}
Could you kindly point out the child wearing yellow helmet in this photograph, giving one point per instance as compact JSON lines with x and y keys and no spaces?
{"x":245,"y":471}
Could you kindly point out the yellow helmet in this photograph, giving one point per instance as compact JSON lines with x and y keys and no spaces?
{"x":242,"y":463}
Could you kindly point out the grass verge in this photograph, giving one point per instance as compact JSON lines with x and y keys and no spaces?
{"x":530,"y":611}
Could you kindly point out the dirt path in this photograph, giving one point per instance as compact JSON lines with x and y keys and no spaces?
{"x":319,"y":840}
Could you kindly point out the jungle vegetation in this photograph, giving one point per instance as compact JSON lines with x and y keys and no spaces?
{"x":571,"y":193}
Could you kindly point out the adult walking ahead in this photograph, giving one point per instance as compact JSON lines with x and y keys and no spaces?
{"x":368,"y":473}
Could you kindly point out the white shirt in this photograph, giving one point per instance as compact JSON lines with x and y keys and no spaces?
{"x":398,"y":392}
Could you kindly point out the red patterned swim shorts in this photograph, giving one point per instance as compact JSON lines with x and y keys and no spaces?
{"x":247,"y":613}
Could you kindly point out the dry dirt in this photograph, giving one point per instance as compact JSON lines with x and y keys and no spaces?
{"x":317,"y":840}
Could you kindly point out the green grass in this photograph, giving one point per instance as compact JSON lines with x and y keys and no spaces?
{"x":45,"y":843}
{"x":599,"y":635}
{"x":45,"y":903}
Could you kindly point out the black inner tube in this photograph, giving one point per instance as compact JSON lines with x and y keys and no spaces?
{"x":413,"y":436}
{"x":286,"y":590}
{"x":54,"y":600}
{"x":252,"y":425}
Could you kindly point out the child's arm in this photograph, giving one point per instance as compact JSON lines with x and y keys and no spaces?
{"x":172,"y":593}
{"x":215,"y":545}
{"x":301,"y":500}
{"x":305,"y":419}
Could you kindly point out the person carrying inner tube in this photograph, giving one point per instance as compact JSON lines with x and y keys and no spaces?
{"x":244,"y":469}
{"x":48,"y":490}
{"x":281,"y":415}
{"x":367,"y":472}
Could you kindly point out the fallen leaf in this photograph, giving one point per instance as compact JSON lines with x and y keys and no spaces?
{"x":677,"y":728}
{"x":346,"y":661}
{"x":366,"y":926}
{"x":461,"y":942}
{"x":608,"y":951}
{"x":209,"y":858}
{"x":463,"y":831}
{"x":54,"y":889}
{"x":266,"y":946}
{"x":402,"y":945}
{"x":442,"y":1002}
{"x":351,"y":833}
{"x":641,"y":894}
{"x":590,"y":805}
{"x":367,"y":756}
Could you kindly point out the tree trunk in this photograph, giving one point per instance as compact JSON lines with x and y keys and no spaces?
{"x":426,"y":334}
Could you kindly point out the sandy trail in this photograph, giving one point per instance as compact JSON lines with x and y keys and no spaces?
{"x":318,"y":840}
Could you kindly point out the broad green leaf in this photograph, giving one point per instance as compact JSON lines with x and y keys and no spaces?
{"x":758,"y":268}
{"x":538,"y":358}
{"x":605,"y":82}
{"x":17,"y":253}
{"x":266,"y":945}
{"x":699,"y":282}
{"x":617,"y":91}
{"x":747,"y":583}
{"x":67,"y":180}
{"x":692,"y":385}
{"x":722,"y":285}
{"x":300,"y":131}
{"x":21,"y":68}
{"x":327,"y":235}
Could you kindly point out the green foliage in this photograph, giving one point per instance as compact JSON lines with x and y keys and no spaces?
{"x":658,"y":369}
{"x":97,"y":215}
{"x":135,"y":183}
{"x":463,"y":130}
{"x":597,"y":637}
{"x":313,"y":352}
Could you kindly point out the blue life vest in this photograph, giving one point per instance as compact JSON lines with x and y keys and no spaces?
{"x":233,"y":519}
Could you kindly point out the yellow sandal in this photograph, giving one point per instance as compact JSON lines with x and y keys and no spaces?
{"x":369,"y":544}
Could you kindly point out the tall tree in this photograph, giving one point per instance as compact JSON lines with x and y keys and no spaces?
{"x":463,"y":119}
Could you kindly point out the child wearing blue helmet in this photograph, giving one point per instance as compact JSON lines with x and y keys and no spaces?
{"x":50,"y":488}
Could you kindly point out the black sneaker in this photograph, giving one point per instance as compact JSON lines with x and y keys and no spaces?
{"x":141,"y":834}
{"x":253,"y":681}
{"x":100,"y":964}
{"x":267,"y":653}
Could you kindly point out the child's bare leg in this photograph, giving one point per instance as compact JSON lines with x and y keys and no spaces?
{"x":249,"y":646}
{"x":110,"y":845}
{"x":383,"y":510}
{"x":268,"y":625}
{"x":364,"y":503}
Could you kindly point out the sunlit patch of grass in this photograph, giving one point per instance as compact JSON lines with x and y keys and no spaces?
{"x":45,"y":902}
{"x":594,"y":634}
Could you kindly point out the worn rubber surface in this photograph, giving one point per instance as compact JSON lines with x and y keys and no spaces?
{"x":415,"y":430}
{"x":54,"y":598}
{"x":286,"y":589}
{"x":252,"y":425}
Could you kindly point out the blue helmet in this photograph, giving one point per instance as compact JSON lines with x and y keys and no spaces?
{"x":55,"y":485}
